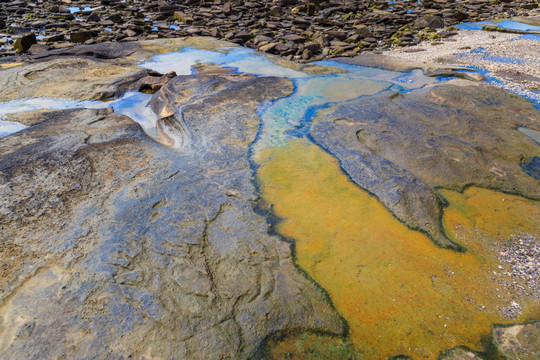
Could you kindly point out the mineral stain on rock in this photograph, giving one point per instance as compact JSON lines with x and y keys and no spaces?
{"x":398,"y":291}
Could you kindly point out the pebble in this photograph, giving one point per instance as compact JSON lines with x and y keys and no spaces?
{"x":341,"y":28}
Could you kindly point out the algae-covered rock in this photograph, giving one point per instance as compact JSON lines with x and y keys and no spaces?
{"x":518,"y":342}
{"x":23,"y":43}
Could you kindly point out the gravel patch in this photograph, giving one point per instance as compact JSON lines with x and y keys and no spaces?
{"x":519,"y":270}
{"x":510,"y":61}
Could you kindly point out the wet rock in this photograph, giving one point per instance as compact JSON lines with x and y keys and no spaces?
{"x":62,"y":73}
{"x":517,"y":342}
{"x":23,"y":43}
{"x":153,"y":82}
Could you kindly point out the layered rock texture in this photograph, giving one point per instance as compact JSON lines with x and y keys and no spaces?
{"x":116,"y":246}
{"x":401,"y":147}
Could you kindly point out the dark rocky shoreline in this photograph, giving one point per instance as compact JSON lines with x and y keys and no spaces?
{"x":299,"y":30}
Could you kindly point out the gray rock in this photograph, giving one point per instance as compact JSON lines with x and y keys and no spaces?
{"x":294,"y":38}
{"x":459,"y":353}
{"x":54,"y":38}
{"x":93,"y":17}
{"x":400,"y":147}
{"x":362,"y":30}
{"x":124,"y":247}
{"x":432,"y":22}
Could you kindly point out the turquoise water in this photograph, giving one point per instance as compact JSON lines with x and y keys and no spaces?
{"x":237,"y":58}
{"x":506,"y":24}
{"x":132,"y":104}
{"x":281,"y":119}
{"x":76,"y":9}
{"x":287,"y":117}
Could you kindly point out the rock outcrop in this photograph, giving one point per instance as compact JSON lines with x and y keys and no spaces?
{"x":113,"y":245}
{"x":401,"y":147}
{"x":518,"y":342}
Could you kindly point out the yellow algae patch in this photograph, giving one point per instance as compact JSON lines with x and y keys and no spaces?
{"x":493,"y":213}
{"x":400,"y":293}
{"x":9,"y":65}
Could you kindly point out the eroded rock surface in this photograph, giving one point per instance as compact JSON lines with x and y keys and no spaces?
{"x":401,"y":147}
{"x":118,"y":246}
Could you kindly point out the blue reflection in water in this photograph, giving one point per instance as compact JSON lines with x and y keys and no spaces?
{"x":506,"y":24}
{"x":281,"y":119}
{"x":132,"y":104}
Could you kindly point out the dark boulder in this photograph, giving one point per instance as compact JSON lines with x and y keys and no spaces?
{"x":24,"y":43}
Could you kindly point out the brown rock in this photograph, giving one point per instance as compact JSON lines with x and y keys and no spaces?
{"x":307,"y":54}
{"x":518,"y":342}
{"x":432,"y":22}
{"x":268,"y":47}
{"x":227,"y":8}
{"x":340,"y":35}
{"x":116,"y":18}
{"x":80,"y":36}
{"x":53,"y":38}
{"x":362,"y":30}
{"x":183,"y":17}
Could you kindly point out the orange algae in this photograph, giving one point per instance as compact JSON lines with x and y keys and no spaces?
{"x":400,"y":293}
{"x":492,"y":213}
